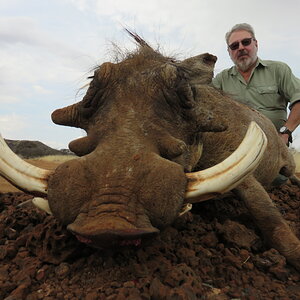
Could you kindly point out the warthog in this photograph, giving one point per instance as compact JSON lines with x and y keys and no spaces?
{"x":148,"y":120}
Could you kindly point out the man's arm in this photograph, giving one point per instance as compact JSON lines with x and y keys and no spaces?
{"x":216,"y":81}
{"x":293,"y":120}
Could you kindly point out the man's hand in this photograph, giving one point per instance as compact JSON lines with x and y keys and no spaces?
{"x":285,"y":138}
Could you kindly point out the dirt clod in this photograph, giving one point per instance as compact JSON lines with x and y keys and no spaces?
{"x":213,"y":252}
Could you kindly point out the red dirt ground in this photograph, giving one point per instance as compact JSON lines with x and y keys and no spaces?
{"x":214,"y":252}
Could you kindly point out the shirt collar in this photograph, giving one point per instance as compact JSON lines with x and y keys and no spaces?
{"x":261,"y":62}
{"x":234,"y":71}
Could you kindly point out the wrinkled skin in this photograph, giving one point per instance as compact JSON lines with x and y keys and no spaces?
{"x":144,"y":129}
{"x":147,"y":119}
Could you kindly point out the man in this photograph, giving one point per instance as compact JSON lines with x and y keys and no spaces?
{"x":265,"y":85}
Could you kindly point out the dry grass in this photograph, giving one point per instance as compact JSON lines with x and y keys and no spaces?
{"x":46,"y":162}
{"x":51,"y":160}
{"x":297,"y":160}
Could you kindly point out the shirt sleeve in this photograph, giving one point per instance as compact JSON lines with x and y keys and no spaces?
{"x":217,"y":81}
{"x":289,"y":84}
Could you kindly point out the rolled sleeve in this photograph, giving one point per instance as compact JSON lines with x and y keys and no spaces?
{"x":216,"y":81}
{"x":290,"y":84}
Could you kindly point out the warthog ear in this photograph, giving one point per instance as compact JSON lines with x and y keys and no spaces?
{"x":195,"y":100}
{"x":209,"y":59}
{"x":199,"y":60}
{"x":198,"y":105}
{"x":200,"y":67}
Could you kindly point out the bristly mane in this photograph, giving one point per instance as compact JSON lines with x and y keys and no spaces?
{"x":137,"y":38}
{"x":145,"y":50}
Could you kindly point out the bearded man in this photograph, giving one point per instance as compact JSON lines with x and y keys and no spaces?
{"x":265,"y":85}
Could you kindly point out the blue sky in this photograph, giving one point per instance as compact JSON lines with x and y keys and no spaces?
{"x":48,"y":47}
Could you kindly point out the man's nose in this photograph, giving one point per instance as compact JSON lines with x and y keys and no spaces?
{"x":241,"y":46}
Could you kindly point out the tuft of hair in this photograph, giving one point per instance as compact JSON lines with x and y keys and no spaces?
{"x":141,"y":42}
{"x":142,"y":51}
{"x":137,"y":56}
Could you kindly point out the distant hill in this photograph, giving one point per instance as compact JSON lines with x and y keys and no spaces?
{"x":33,"y":149}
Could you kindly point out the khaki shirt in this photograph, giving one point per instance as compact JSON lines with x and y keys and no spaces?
{"x":270,"y":88}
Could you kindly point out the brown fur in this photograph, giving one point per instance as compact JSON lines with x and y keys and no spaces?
{"x":277,"y":159}
{"x":146,"y":119}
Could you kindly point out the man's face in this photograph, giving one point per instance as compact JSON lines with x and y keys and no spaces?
{"x":244,"y":56}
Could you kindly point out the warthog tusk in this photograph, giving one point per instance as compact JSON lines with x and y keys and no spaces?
{"x":226,"y":175}
{"x":20,"y":173}
{"x":42,"y":204}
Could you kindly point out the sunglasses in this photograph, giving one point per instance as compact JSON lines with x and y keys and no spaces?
{"x":244,"y":42}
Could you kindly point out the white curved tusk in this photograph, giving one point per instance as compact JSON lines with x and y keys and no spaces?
{"x":20,"y":173}
{"x":226,"y":175}
{"x":42,"y":204}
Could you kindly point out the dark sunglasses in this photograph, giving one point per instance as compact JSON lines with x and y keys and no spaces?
{"x":244,"y":42}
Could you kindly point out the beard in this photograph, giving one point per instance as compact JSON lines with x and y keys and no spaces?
{"x":245,"y":63}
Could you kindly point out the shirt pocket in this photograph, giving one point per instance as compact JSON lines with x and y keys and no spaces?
{"x":270,"y":89}
{"x":268,"y":98}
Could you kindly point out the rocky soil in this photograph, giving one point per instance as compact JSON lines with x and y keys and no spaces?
{"x":214,"y":252}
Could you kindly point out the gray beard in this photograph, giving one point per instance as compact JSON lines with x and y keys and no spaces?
{"x":245,"y":64}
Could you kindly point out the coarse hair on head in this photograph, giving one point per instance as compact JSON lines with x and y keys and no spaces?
{"x":238,"y":27}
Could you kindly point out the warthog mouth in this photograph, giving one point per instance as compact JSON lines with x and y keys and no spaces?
{"x":103,"y":225}
{"x":117,"y":238}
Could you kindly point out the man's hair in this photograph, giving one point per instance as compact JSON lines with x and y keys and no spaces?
{"x":238,"y":27}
